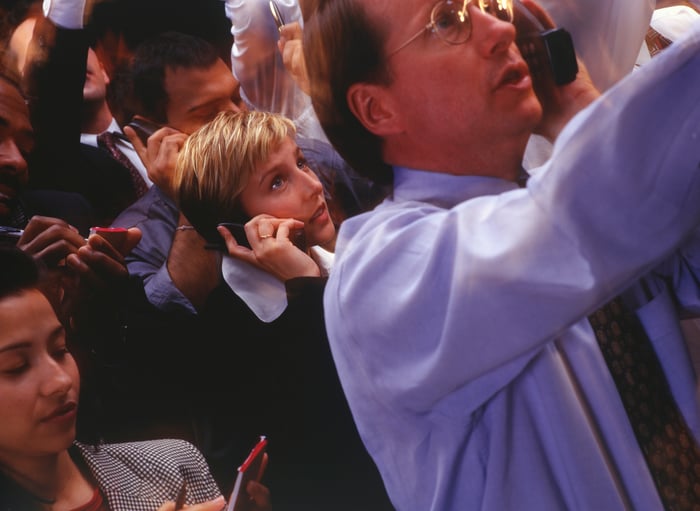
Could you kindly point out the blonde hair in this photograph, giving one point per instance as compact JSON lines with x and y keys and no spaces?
{"x":217,"y":161}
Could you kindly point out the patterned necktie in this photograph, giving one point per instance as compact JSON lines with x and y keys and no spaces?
{"x":655,"y":41}
{"x":671,"y":453}
{"x":108,"y":141}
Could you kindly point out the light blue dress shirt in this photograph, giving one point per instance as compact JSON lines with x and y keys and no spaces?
{"x":456,"y":310}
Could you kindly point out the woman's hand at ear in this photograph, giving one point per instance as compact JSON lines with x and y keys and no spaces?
{"x":272,"y":249}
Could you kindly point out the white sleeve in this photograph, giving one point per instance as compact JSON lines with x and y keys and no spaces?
{"x":607,"y":35}
{"x":256,"y":61}
{"x":65,"y":13}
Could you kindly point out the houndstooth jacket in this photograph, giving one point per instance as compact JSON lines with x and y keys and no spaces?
{"x":140,"y":476}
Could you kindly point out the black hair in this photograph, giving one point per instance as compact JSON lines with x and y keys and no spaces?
{"x":168,"y":50}
{"x":19,"y":271}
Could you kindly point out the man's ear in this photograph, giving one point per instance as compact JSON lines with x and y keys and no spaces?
{"x":373,"y":107}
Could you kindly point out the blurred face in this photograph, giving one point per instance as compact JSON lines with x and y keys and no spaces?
{"x":285,"y":187}
{"x":16,"y":142}
{"x":478,"y":92}
{"x":39,"y":382}
{"x":196,"y":95}
{"x":96,"y":79}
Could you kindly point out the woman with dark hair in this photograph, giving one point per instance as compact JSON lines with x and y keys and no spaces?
{"x":42,"y":466}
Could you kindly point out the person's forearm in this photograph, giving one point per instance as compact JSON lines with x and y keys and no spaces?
{"x":193,"y":269}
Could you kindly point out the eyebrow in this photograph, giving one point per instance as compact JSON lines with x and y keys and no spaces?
{"x":203,"y":106}
{"x":18,"y":345}
{"x":27,"y":132}
{"x":297,"y":154}
{"x":15,"y":346}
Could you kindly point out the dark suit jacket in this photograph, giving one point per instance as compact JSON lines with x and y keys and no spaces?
{"x":279,"y":379}
{"x":71,"y":207}
{"x":55,"y":90}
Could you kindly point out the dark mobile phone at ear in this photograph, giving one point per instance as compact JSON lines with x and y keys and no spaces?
{"x":279,"y":20}
{"x":252,"y":469}
{"x":143,"y":128}
{"x":297,"y":236}
{"x":549,"y":53}
{"x":238,"y":231}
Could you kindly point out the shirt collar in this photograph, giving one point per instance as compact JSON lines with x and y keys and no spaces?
{"x":91,"y":138}
{"x":445,"y":190}
{"x":264,"y":294}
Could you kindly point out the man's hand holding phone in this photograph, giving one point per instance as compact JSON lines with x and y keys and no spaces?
{"x":560,"y":101}
{"x":159,"y":150}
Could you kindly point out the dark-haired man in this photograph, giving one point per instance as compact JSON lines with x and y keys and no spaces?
{"x":180,"y":82}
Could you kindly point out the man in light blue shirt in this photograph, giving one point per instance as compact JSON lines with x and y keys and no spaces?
{"x":457,"y":309}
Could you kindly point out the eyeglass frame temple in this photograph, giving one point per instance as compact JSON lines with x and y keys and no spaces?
{"x":431,"y":25}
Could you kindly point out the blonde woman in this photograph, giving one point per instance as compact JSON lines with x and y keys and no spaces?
{"x":264,"y":339}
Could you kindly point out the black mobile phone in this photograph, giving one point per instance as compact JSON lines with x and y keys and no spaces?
{"x":238,"y":231}
{"x":549,"y":53}
{"x":143,"y":128}
{"x":279,"y":20}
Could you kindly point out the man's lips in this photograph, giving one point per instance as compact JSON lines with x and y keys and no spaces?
{"x":513,"y":74}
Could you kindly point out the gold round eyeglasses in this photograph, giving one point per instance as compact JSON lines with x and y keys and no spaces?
{"x":449,"y":19}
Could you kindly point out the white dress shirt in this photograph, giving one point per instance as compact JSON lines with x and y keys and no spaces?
{"x":123,"y":145}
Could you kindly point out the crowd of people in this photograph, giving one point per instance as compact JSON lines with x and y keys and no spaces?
{"x":432,"y":279}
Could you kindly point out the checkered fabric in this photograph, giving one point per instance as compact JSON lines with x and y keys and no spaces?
{"x":140,"y":476}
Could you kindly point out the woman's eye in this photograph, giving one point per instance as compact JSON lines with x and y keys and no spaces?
{"x":277,"y":183}
{"x":15,"y":369}
{"x":61,"y":353}
{"x":301,"y":163}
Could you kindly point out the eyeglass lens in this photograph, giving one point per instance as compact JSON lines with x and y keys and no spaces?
{"x":451,"y":18}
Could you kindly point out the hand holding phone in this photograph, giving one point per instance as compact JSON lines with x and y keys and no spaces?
{"x":549,"y":53}
{"x":252,"y":469}
{"x":238,"y":231}
{"x":143,"y":128}
{"x":297,"y":236}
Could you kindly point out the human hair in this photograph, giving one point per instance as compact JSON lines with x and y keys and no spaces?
{"x":10,"y":75}
{"x":19,"y":271}
{"x":167,"y":50}
{"x":342,"y":46}
{"x":216,"y":162}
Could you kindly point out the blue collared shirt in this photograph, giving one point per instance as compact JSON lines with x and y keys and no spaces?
{"x":456,"y":310}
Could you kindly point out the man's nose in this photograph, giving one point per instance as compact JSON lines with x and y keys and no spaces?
{"x":490,"y":34}
{"x":11,"y":158}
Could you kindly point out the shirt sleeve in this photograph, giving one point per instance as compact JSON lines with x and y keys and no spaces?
{"x":256,"y":60}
